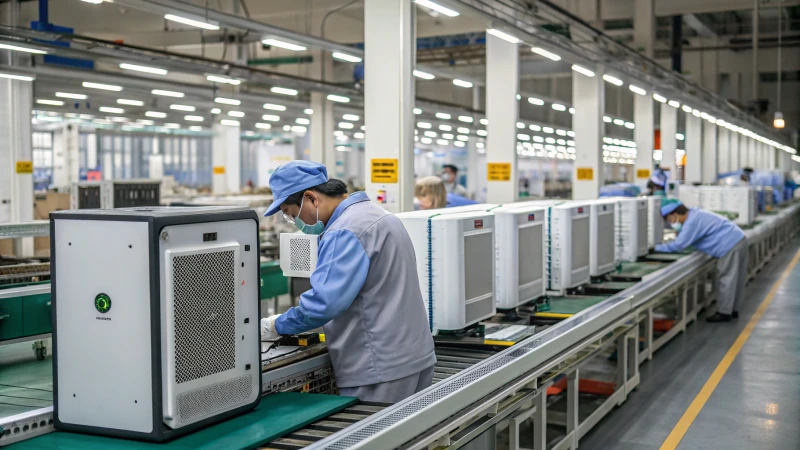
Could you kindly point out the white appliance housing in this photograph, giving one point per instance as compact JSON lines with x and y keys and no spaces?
{"x":299,"y":254}
{"x":520,"y":240}
{"x":109,"y":194}
{"x":602,"y":225}
{"x":155,"y":320}
{"x":742,"y":200}
{"x":631,"y":228}
{"x":456,"y":265}
{"x":655,"y":222}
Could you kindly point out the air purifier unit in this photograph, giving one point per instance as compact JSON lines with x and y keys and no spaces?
{"x":298,"y":254}
{"x":456,"y":265}
{"x":520,"y":241}
{"x":631,"y":228}
{"x":602,"y":254}
{"x":155,"y":319}
{"x":655,"y":221}
{"x":567,"y":244}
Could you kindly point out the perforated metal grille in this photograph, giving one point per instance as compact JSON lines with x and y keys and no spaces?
{"x":300,"y":255}
{"x":205,"y":314}
{"x":208,"y":400}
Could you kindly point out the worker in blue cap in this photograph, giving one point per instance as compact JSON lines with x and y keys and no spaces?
{"x":657,"y":184}
{"x":716,"y":236}
{"x":364,"y":291}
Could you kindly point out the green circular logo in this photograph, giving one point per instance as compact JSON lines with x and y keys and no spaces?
{"x":102,"y":303}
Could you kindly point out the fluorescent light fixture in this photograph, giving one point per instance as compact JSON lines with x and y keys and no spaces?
{"x":545,"y":53}
{"x":572,"y":110}
{"x":426,"y":140}
{"x":423,"y":75}
{"x":523,"y":137}
{"x":679,"y":136}
{"x":607,"y":119}
{"x":571,"y":133}
{"x":183,"y":108}
{"x":674,"y":103}
{"x":299,"y":129}
{"x":447,"y":135}
{"x":192,"y":22}
{"x":619,"y":122}
{"x":443,"y":116}
{"x":437,"y":7}
{"x":338,"y":98}
{"x":559,"y":107}
{"x":274,"y":107}
{"x":69,"y":95}
{"x":282,"y":44}
{"x":124,"y":101}
{"x":445,"y":128}
{"x":463,"y":130}
{"x":630,"y":125}
{"x":105,"y":87}
{"x":145,"y":69}
{"x":346,"y":57}
{"x":224,"y":80}
{"x":216,"y":111}
{"x":351,"y":117}
{"x":696,"y":113}
{"x":145,"y":122}
{"x":193,"y":118}
{"x":424,"y":125}
{"x":417,"y":111}
{"x":687,"y":109}
{"x":637,"y":90}
{"x":430,"y":133}
{"x":283,"y":91}
{"x":308,"y":111}
{"x":520,"y":125}
{"x":155,"y":114}
{"x":481,"y":133}
{"x":110,"y":110}
{"x":270,"y":117}
{"x":502,"y":35}
{"x":263,"y":126}
{"x":302,"y":121}
{"x":196,"y":128}
{"x":229,"y":122}
{"x":535,"y":101}
{"x":17,"y":48}
{"x":236,"y":113}
{"x":613,"y":80}
{"x":466,"y":119}
{"x":582,"y":70}
{"x":118,"y":119}
{"x":227,"y":101}
{"x":484,"y":121}
{"x":462,"y":83}
{"x":461,"y":137}
{"x":11,"y":76}
{"x":49,"y":102}
{"x":346,"y":125}
{"x":443,"y":142}
{"x":659,"y":98}
{"x":561,"y":132}
{"x":167,"y":93}
{"x":86,"y":116}
{"x":548,"y":130}
{"x":519,"y":97}
{"x":358,"y":135}
{"x":458,"y":144}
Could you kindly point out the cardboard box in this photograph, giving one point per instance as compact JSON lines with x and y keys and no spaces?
{"x":43,"y":205}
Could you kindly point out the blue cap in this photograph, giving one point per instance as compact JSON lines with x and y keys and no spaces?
{"x":659,"y":178}
{"x":292,"y":178}
{"x":669,"y":207}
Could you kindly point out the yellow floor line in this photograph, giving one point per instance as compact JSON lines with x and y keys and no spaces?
{"x":691,"y":413}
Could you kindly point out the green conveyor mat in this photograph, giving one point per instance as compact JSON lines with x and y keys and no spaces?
{"x":563,"y":307}
{"x":635,"y":270}
{"x":277,"y":415}
{"x":609,"y":287}
{"x":665,"y":257}
{"x":26,"y":384}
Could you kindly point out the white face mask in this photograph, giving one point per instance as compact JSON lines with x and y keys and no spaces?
{"x":676,"y":226}
{"x":448,"y":178}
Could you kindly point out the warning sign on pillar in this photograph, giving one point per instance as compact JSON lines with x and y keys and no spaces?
{"x":24,"y":167}
{"x":642,"y":173}
{"x":219,"y":170}
{"x":384,"y":170}
{"x":585,"y":174}
{"x":498,"y":171}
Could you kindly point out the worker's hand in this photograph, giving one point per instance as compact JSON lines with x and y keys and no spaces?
{"x":268,"y":331}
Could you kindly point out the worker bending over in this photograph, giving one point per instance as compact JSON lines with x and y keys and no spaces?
{"x":715,"y":236}
{"x":364,"y":291}
{"x":430,"y":193}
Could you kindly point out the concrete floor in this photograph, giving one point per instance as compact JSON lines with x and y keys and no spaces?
{"x":756,"y":404}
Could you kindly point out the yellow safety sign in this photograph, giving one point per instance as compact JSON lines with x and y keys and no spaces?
{"x":219,"y":170}
{"x":384,"y":170}
{"x":642,"y":173}
{"x":24,"y":166}
{"x":585,"y":173}
{"x":498,"y":171}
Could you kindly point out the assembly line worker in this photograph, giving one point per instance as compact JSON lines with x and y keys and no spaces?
{"x":430,"y":193}
{"x":364,"y":291}
{"x":450,"y":178}
{"x":716,"y":236}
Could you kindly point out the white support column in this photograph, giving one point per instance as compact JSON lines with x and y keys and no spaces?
{"x":16,"y":162}
{"x":589,"y":99}
{"x":502,"y":111}
{"x":771,"y":159}
{"x":735,"y":150}
{"x":669,"y":126}
{"x":390,"y":52}
{"x":321,"y":129}
{"x":66,"y":162}
{"x":694,"y":149}
{"x":644,"y":26}
{"x":710,"y":152}
{"x":472,"y":152}
{"x":643,"y":135}
{"x":746,"y":152}
{"x":226,"y":157}
{"x":724,"y":150}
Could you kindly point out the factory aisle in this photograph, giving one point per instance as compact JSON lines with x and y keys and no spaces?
{"x":757,"y":400}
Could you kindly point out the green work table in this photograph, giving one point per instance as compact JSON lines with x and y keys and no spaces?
{"x":277,"y":415}
{"x":565,"y":307}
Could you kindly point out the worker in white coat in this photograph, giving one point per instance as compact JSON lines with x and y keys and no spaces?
{"x":364,"y":291}
{"x":716,"y":236}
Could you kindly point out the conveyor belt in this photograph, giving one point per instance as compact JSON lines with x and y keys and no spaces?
{"x":325,"y":427}
{"x":564,"y":307}
{"x":635,"y":271}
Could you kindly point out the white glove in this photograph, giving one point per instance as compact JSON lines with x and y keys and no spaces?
{"x":268,"y":331}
